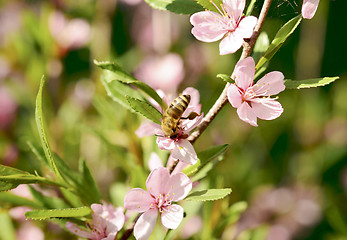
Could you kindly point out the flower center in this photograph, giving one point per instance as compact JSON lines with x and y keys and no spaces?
{"x":248,"y":94}
{"x":227,"y":19}
{"x":163,"y":201}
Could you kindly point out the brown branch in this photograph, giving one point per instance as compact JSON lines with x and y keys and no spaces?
{"x":222,"y":100}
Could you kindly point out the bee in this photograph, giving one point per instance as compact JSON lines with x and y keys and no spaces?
{"x":171,"y":123}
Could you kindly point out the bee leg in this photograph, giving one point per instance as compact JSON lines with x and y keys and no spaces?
{"x":191,"y":116}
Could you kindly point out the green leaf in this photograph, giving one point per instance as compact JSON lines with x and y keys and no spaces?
{"x":41,"y":129}
{"x":309,"y":83}
{"x":208,"y":195}
{"x":176,"y":6}
{"x":285,"y":31}
{"x":145,"y":109}
{"x":209,"y":6}
{"x":47,"y":201}
{"x":90,"y":182}
{"x":10,"y":178}
{"x":7,"y":228}
{"x":225,"y":77}
{"x":204,"y":158}
{"x":58,"y":213}
{"x":250,"y":8}
{"x":260,"y":46}
{"x":15,"y":200}
{"x":121,"y":75}
{"x":80,"y":186}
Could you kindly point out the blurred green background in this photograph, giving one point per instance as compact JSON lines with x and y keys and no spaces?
{"x":292,"y":171}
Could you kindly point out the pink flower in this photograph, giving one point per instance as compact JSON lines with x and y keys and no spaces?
{"x":163,"y":189}
{"x":69,"y":34}
{"x":152,"y":70}
{"x":180,"y":147}
{"x":253,"y":100}
{"x":309,"y":8}
{"x":229,"y":24}
{"x":106,"y":222}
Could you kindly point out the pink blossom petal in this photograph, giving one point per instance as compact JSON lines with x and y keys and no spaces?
{"x":179,"y":167}
{"x":149,"y":129}
{"x":309,"y":8}
{"x":189,"y":125}
{"x":234,"y":8}
{"x":271,"y":84}
{"x":165,"y":143}
{"x":194,"y":96}
{"x":246,"y":26}
{"x":246,"y":114}
{"x":116,"y":223}
{"x":185,"y":152}
{"x":266,"y":108}
{"x":154,"y":161}
{"x":179,"y":185}
{"x":208,"y":26}
{"x":72,"y":227}
{"x":234,"y":96}
{"x":230,"y":43}
{"x":145,"y":224}
{"x":138,"y":200}
{"x":244,"y":73}
{"x":110,"y":236}
{"x":172,"y":216}
{"x":156,"y":181}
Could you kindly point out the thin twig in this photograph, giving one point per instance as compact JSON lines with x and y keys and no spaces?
{"x":222,"y":100}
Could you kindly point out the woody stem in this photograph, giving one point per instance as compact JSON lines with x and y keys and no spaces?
{"x":222,"y":100}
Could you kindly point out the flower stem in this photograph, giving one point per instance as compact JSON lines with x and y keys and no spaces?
{"x":222,"y":100}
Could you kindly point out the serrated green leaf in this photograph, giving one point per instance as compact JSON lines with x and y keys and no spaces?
{"x":145,"y":109}
{"x":176,"y":6}
{"x":119,"y":74}
{"x":309,"y":83}
{"x":225,"y":77}
{"x":41,"y":129}
{"x":15,"y":200}
{"x":285,"y":31}
{"x":58,"y":213}
{"x":77,"y":182}
{"x":208,"y":195}
{"x":209,"y":6}
{"x":10,"y":178}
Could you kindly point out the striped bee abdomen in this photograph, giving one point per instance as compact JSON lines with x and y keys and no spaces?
{"x":172,"y":115}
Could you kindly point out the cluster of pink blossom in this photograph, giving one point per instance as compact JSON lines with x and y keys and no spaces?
{"x":252,"y":100}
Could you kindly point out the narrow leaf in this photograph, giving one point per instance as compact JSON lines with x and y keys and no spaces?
{"x":260,"y":46}
{"x":90,"y":182}
{"x":208,"y":195}
{"x":204,"y":158}
{"x":309,"y":83}
{"x":145,"y":109}
{"x":58,"y":213}
{"x":225,"y":77}
{"x":41,"y":129}
{"x":8,"y":231}
{"x":15,"y":200}
{"x":250,"y":8}
{"x":285,"y":31}
{"x":10,"y":178}
{"x":124,"y":77}
{"x":176,"y":6}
